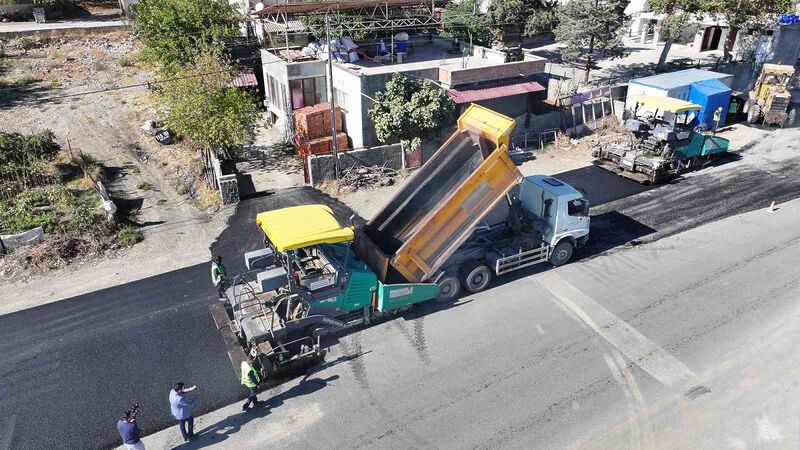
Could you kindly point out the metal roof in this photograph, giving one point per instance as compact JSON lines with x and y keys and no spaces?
{"x":340,"y":5}
{"x":474,"y":95}
{"x":246,"y":78}
{"x":672,"y":80}
{"x":291,"y":26}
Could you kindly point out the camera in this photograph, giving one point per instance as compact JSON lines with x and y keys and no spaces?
{"x":132,"y":411}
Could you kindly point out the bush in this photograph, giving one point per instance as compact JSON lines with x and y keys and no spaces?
{"x":26,"y":79}
{"x":49,"y":207}
{"x":182,"y":190}
{"x":285,"y":147}
{"x":124,"y":62}
{"x":128,"y":236}
{"x":18,"y":149}
{"x":144,"y":186}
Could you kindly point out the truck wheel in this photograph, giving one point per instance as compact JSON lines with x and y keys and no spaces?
{"x":477,"y":278}
{"x":561,"y":253}
{"x":449,"y":288}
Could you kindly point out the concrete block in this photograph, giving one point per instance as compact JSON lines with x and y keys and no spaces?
{"x":259,"y":259}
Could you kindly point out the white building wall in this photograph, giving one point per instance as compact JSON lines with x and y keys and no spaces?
{"x":350,"y":84}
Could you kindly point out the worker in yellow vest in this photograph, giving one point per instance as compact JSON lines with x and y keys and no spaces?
{"x":250,"y":380}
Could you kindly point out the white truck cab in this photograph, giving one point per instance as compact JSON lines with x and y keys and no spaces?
{"x":559,"y":209}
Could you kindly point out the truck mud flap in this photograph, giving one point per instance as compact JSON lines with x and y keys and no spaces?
{"x":224,"y":325}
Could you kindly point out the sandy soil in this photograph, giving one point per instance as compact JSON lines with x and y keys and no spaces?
{"x":177,"y":228}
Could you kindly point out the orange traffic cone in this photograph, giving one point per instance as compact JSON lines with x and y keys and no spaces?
{"x":772,"y":207}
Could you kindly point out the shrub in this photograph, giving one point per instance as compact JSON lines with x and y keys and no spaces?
{"x":285,"y":147}
{"x":144,"y":186}
{"x":26,"y":79}
{"x":124,"y":62}
{"x":182,"y":190}
{"x":16,"y":148}
{"x":128,"y":236}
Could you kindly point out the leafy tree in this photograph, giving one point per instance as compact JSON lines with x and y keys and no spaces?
{"x":202,"y":106}
{"x":678,"y":14}
{"x":748,"y":15}
{"x":543,"y":18}
{"x":463,"y":20}
{"x":174,"y":32}
{"x":587,"y":27}
{"x":409,"y":109}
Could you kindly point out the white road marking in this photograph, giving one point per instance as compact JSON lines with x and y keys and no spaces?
{"x":645,"y":353}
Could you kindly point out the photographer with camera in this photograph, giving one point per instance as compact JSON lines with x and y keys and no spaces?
{"x":129,"y":430}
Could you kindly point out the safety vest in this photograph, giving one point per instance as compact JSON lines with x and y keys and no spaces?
{"x":246,"y":369}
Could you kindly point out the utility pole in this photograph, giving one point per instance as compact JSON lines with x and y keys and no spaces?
{"x":330,"y":98}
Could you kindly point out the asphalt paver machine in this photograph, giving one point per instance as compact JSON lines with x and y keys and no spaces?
{"x":663,"y":142}
{"x":464,"y":218}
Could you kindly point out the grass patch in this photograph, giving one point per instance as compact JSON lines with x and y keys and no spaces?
{"x":133,"y":215}
{"x":25,"y":80}
{"x":55,"y":84}
{"x":125,"y":62}
{"x":163,"y":164}
{"x":128,"y":236}
{"x":161,"y":201}
{"x":144,"y":186}
{"x":182,"y":190}
{"x":134,"y":169}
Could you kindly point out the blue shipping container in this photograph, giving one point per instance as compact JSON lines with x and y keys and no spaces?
{"x":710,"y":95}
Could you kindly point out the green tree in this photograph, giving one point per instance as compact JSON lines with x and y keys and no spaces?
{"x":542,"y":18}
{"x":748,"y":15}
{"x":174,"y":31}
{"x":202,"y":106}
{"x":463,"y":21}
{"x":586,"y":27}
{"x":410,"y":109}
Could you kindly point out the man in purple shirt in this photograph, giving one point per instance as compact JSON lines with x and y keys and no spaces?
{"x":180,"y":404}
{"x":129,"y":431}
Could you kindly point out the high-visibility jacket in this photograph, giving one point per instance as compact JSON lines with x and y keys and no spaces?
{"x":247,"y":369}
{"x":218,"y":273}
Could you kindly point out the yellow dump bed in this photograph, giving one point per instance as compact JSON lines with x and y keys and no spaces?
{"x":438,"y":208}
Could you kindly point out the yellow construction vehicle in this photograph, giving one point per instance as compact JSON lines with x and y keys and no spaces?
{"x":769,"y":99}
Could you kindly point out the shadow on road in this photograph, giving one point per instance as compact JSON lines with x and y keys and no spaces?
{"x":220,"y":431}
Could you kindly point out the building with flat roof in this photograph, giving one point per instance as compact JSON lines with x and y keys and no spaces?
{"x":468,"y":74}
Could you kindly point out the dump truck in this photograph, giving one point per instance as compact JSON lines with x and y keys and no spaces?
{"x":466,"y":216}
{"x":769,"y":100}
{"x":663,"y":142}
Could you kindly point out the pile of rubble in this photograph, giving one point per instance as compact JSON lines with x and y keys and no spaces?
{"x":356,"y":178}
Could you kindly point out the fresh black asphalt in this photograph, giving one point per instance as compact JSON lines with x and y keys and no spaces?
{"x":70,"y":368}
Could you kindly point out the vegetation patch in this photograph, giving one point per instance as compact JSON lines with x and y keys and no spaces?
{"x":41,"y":186}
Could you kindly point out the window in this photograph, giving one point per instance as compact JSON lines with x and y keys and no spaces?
{"x":341,"y":99}
{"x":577,"y":207}
{"x":308,"y":91}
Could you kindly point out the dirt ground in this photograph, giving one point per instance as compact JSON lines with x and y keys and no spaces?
{"x":178,"y":227}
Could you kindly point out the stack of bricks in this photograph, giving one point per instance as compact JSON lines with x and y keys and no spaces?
{"x":313,"y":130}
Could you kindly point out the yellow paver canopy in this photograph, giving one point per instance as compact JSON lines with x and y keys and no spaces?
{"x":302,"y":226}
{"x":666,"y":103}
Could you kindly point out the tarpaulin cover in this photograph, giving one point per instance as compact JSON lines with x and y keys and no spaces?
{"x":710,"y":95}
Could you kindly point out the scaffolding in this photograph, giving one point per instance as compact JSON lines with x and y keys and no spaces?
{"x":374,"y":15}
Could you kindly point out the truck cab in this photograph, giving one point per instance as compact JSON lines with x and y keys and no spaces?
{"x":559,"y":209}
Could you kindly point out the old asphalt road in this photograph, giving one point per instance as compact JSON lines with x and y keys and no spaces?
{"x":70,"y":368}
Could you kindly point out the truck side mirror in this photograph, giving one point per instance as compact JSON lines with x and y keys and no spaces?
{"x":585,"y":209}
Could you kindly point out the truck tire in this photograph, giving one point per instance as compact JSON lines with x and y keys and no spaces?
{"x":561,"y":253}
{"x":449,"y":288}
{"x":476,"y":277}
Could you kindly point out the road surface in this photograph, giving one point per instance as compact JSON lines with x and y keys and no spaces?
{"x":687,"y":342}
{"x":75,"y":365}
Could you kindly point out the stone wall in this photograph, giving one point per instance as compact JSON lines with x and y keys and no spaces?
{"x":229,"y":189}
